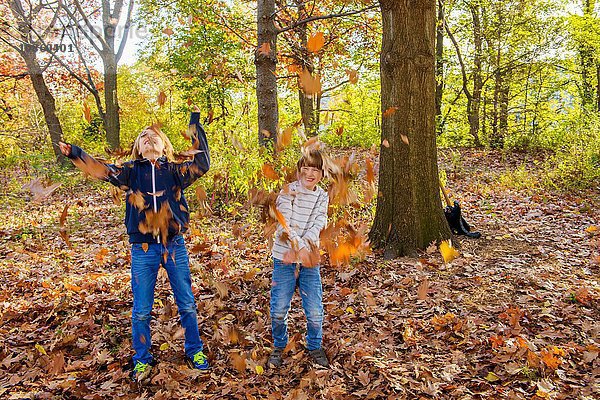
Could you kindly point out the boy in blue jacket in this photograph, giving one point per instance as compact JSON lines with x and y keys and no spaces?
{"x":156,"y":217}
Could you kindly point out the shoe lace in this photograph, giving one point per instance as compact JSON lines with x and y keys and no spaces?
{"x":140,"y":367}
{"x":199,"y":358}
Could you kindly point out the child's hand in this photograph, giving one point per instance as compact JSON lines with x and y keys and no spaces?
{"x":306,"y":258}
{"x":289,"y":257}
{"x":65,"y":148}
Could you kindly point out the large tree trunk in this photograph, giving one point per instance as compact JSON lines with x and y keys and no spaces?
{"x":409,"y":213}
{"x":307,"y":103}
{"x":266,"y":79}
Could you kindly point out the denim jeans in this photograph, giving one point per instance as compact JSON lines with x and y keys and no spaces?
{"x":283,"y":286}
{"x":144,"y":270}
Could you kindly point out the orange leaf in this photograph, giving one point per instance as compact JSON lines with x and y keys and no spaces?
{"x":168,"y":31}
{"x":389,"y":112}
{"x":91,"y":167}
{"x":286,"y":137}
{"x":550,"y":359}
{"x":162,"y":98}
{"x":370,"y":172}
{"x":87,"y":112}
{"x":315,"y":42}
{"x":279,"y":217}
{"x":340,"y":130}
{"x":238,"y":361}
{"x":352,"y":75}
{"x":200,"y":194}
{"x":269,"y":172}
{"x":423,"y":289}
{"x":265,"y":49}
{"x":310,"y":84}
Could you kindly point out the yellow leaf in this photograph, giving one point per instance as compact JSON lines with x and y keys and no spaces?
{"x":350,"y":310}
{"x":164,"y":346}
{"x":492,"y":377}
{"x":591,"y":229}
{"x":449,"y":253}
{"x":315,"y":42}
{"x":40,"y":349}
{"x":259,"y":369}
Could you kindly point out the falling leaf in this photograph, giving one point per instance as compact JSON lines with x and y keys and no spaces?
{"x":87,"y":112}
{"x":168,"y":31}
{"x":265,"y":133}
{"x":352,"y":75}
{"x":285,"y":138}
{"x":315,"y":42}
{"x":161,"y":99}
{"x":389,"y":112}
{"x":200,"y":193}
{"x":449,"y":253}
{"x":238,"y":361}
{"x":92,"y":167}
{"x":265,"y":49}
{"x":137,"y":200}
{"x":309,"y":83}
{"x":145,"y":247}
{"x":164,"y":346}
{"x":269,"y":172}
{"x":423,"y":289}
{"x":370,"y":172}
{"x":259,"y":369}
{"x":385,"y":143}
{"x":38,"y":190}
{"x":404,"y":138}
{"x":340,"y":130}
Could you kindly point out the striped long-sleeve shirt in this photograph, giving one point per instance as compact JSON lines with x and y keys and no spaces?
{"x":305,"y":212}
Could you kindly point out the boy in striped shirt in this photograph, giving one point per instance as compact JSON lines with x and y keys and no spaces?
{"x":303,"y":204}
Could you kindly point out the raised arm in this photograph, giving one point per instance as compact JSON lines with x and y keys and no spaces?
{"x":118,"y":176}
{"x":192,"y":170}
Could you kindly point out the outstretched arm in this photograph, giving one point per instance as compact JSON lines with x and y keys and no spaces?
{"x":192,"y":170}
{"x":118,"y":176}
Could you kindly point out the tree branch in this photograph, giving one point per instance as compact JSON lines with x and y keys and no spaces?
{"x":316,"y":18}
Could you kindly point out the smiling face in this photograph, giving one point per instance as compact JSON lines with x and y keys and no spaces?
{"x":150,"y":145}
{"x":310,"y":169}
{"x":310,"y":176}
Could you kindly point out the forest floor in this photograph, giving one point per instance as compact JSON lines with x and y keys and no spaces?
{"x":511,"y":318}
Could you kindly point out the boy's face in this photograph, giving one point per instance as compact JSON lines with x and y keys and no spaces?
{"x":310,"y":176}
{"x":151,"y":145}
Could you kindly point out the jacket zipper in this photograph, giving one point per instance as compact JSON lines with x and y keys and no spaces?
{"x":154,"y":195}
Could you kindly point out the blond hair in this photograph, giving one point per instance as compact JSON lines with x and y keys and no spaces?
{"x":168,"y":151}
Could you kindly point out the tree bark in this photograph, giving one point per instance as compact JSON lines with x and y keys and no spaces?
{"x":307,"y":103}
{"x":439,"y":67}
{"x":109,"y":60}
{"x":473,"y":110}
{"x":266,"y":79}
{"x":28,"y":52}
{"x":409,"y":214}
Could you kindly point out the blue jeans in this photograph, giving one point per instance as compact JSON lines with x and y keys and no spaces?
{"x":283,"y":286}
{"x":144,"y":270}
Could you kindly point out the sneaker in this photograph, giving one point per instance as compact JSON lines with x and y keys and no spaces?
{"x":275,"y":360}
{"x":319,"y":357}
{"x":199,"y":361}
{"x":141,"y":371}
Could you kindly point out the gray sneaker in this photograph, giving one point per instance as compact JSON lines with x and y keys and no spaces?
{"x":319,"y":357}
{"x":275,"y":360}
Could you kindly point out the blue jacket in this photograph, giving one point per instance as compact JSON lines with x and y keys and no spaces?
{"x":156,"y":209}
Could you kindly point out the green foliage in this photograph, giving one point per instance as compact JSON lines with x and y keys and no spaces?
{"x":356,"y":118}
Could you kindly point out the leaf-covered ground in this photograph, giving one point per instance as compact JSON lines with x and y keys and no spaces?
{"x":514,"y":317}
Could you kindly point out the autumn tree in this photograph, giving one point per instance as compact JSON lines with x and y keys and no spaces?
{"x":409,"y":214}
{"x":24,"y":27}
{"x":100,"y":28}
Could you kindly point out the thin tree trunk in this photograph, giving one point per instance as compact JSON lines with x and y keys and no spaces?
{"x":307,"y":103}
{"x":266,"y":81}
{"x":409,"y":215}
{"x":111,"y":116}
{"x":439,"y":67}
{"x":473,"y":111}
{"x":45,"y":98}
